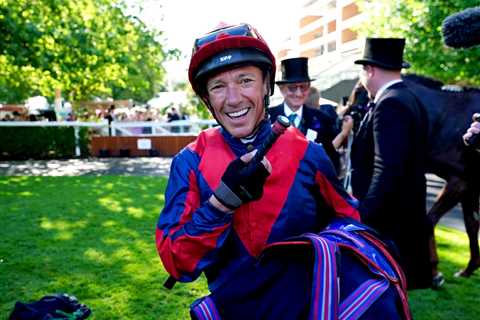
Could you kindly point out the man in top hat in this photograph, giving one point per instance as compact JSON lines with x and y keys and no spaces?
{"x":315,"y":124}
{"x":388,"y":160}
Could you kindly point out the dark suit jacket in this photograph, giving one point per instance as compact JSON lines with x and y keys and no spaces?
{"x":389,"y":163}
{"x":319,"y":122}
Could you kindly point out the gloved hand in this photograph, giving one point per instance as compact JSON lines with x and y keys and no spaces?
{"x":242,"y":182}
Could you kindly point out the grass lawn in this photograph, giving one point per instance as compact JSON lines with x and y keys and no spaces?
{"x":93,"y":237}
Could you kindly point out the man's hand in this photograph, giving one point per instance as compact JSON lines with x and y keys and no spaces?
{"x":241,"y":182}
{"x":347,"y":125}
{"x":471,"y":137}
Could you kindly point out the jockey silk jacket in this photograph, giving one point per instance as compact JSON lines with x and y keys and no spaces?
{"x":300,"y":196}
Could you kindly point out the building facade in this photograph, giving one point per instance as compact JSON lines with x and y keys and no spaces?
{"x":326,"y":36}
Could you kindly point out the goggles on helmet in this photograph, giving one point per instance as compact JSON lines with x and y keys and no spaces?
{"x":229,"y":46}
{"x":239,"y":30}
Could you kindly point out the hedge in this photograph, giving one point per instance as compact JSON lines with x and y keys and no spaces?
{"x":20,"y":143}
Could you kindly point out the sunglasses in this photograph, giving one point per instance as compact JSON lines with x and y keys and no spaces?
{"x":238,"y":30}
{"x":292,"y":88}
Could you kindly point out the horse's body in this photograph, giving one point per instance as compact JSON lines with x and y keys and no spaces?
{"x":449,"y":115}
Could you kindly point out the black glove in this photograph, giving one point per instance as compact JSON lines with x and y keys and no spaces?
{"x":241,"y":183}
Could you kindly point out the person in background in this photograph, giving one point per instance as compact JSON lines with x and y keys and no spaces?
{"x":313,"y":101}
{"x":345,"y":123}
{"x":315,"y":124}
{"x":356,"y":105}
{"x":173,"y":115}
{"x":389,"y":161}
{"x":17,"y":116}
{"x":110,"y":117}
{"x":313,"y":98}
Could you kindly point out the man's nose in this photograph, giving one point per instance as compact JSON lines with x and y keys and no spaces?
{"x":233,"y":94}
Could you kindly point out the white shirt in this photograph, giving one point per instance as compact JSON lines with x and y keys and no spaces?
{"x":287,"y":111}
{"x":384,"y":87}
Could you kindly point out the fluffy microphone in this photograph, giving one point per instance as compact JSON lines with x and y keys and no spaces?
{"x":278,"y":128}
{"x":462,"y":29}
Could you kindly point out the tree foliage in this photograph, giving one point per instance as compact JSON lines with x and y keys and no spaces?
{"x":194,"y":106}
{"x":420,"y":22}
{"x":86,"y":48}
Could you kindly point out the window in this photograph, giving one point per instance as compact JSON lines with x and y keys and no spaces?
{"x":319,"y":51}
{"x":332,"y":46}
{"x":332,"y":26}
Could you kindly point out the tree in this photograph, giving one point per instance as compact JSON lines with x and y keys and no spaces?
{"x":195,"y":105}
{"x":420,"y":21}
{"x":87,"y":48}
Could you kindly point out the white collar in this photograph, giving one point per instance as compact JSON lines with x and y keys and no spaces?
{"x":384,"y":87}
{"x":287,"y":111}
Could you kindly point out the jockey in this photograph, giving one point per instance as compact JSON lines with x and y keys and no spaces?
{"x":222,"y":208}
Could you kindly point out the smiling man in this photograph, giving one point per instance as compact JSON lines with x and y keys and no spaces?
{"x":224,"y":208}
{"x":315,"y":124}
{"x":236,"y":99}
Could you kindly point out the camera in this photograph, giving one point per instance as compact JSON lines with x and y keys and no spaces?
{"x":357,"y":112}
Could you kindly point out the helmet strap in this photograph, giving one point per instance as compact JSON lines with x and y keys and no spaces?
{"x":266,"y":101}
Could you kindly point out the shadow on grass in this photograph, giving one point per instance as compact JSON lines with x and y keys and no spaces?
{"x":92,"y":237}
{"x":458,"y":298}
{"x":151,"y":166}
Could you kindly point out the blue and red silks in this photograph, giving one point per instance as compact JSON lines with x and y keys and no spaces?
{"x":343,"y":272}
{"x":301,"y":194}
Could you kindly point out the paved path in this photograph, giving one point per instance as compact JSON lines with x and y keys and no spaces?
{"x":160,"y":167}
{"x":89,"y":166}
{"x":453,"y":218}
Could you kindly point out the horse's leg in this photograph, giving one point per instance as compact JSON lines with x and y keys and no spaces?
{"x":448,"y":197}
{"x":471,"y":220}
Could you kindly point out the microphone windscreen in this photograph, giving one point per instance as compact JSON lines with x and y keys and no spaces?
{"x":462,"y":29}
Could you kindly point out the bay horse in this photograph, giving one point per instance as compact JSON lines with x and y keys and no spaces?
{"x":449,"y":110}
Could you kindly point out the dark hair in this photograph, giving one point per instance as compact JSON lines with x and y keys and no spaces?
{"x":359,"y":95}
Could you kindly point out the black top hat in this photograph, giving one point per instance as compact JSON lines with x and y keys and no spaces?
{"x":385,"y":53}
{"x":294,"y":70}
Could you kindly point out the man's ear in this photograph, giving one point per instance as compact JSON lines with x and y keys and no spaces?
{"x":370,"y":70}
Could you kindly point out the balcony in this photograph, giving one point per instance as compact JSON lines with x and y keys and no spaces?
{"x":350,"y":11}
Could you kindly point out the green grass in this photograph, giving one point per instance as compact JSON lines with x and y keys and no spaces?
{"x":93,"y":237}
{"x":459,"y":298}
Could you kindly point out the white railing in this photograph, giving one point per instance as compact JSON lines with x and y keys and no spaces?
{"x":149,"y":128}
{"x":116,"y":128}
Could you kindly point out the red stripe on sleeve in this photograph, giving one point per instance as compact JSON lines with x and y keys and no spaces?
{"x":334,"y":199}
{"x":183,"y":254}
